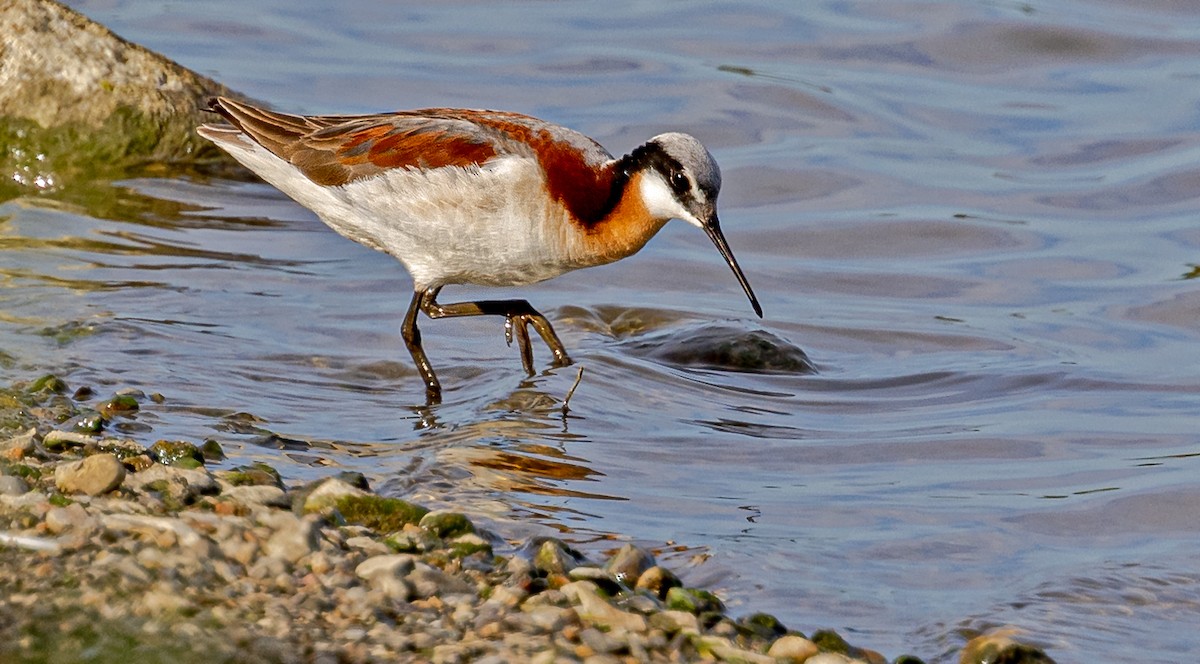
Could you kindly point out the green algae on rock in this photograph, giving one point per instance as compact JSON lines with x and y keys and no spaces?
{"x":379,"y":513}
{"x":179,"y":453}
{"x":79,"y":103}
{"x":445,"y":523}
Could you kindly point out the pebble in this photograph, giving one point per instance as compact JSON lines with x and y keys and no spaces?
{"x":657,"y":581}
{"x":94,"y":475}
{"x":594,"y":608}
{"x":830,"y":658}
{"x":256,"y":495}
{"x":161,"y":564}
{"x":326,"y":493}
{"x":19,"y":446}
{"x":397,"y":565}
{"x":293,"y":537}
{"x":12,"y":486}
{"x":628,"y":563}
{"x":792,"y":648}
{"x":72,"y":517}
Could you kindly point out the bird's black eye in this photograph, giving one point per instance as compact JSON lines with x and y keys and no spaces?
{"x":679,"y":182}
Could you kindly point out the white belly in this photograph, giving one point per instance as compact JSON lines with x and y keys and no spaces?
{"x":492,"y":226}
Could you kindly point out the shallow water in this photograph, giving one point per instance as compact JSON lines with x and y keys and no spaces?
{"x":977,"y":219}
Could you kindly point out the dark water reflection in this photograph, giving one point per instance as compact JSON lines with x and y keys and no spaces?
{"x":977,"y":220}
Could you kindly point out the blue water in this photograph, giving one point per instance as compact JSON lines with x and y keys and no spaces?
{"x":977,"y":218}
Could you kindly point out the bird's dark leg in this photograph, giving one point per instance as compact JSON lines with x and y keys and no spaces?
{"x":412,"y":339}
{"x":518,"y":314}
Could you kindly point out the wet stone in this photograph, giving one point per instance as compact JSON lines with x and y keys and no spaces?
{"x":322,"y":495}
{"x":177,"y":453}
{"x":49,"y":383}
{"x":211,"y":450}
{"x":672,"y":621}
{"x":657,"y":581}
{"x":89,"y":423}
{"x":628,"y":563}
{"x":94,"y":475}
{"x":120,"y":404}
{"x":377,"y":513}
{"x":257,"y":473}
{"x":693,"y":600}
{"x":58,"y":440}
{"x":552,"y":556}
{"x":177,"y":486}
{"x":593,"y":608}
{"x":761,"y":625}
{"x":1000,"y":646}
{"x":725,"y":347}
{"x":445,"y":523}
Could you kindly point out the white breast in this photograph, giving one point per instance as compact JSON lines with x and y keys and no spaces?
{"x":490,"y":225}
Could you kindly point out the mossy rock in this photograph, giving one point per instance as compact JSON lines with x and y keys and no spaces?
{"x":177,"y":453}
{"x":49,"y":383}
{"x":761,"y":625}
{"x":256,"y":474}
{"x":830,"y":641}
{"x":693,"y":600}
{"x":120,"y":404}
{"x":383,"y":515}
{"x":446,"y":524}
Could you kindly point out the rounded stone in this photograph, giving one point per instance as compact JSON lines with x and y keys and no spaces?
{"x":396,"y":564}
{"x":94,"y":475}
{"x":658,"y":580}
{"x":792,"y":648}
{"x":445,"y":523}
{"x":628,"y":563}
{"x":293,"y":538}
{"x":12,"y":486}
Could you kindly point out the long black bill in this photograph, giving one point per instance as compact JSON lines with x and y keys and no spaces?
{"x":713,"y":228}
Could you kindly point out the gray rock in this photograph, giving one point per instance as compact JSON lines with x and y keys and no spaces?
{"x":72,"y":517}
{"x":18,"y":446}
{"x":97,"y":474}
{"x":446,"y":523}
{"x":179,"y":484}
{"x":325,"y":495}
{"x":593,"y":608}
{"x":63,"y":439}
{"x":658,"y":581}
{"x":628,"y":563}
{"x":397,"y":565}
{"x":293,"y":538}
{"x":548,"y":619}
{"x":84,"y":101}
{"x":792,"y":648}
{"x":428,"y":581}
{"x":12,"y":486}
{"x":254,"y":495}
{"x":552,"y":556}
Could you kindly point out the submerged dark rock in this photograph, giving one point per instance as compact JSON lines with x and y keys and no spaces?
{"x":724,"y":347}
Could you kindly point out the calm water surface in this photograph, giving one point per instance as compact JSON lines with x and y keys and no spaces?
{"x":979,"y":219}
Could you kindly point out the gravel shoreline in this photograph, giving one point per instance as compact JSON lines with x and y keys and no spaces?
{"x":111,"y":552}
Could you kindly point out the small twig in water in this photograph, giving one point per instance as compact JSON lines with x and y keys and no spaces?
{"x":571,"y":392}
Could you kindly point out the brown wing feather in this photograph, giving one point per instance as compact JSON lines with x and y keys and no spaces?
{"x":335,"y":150}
